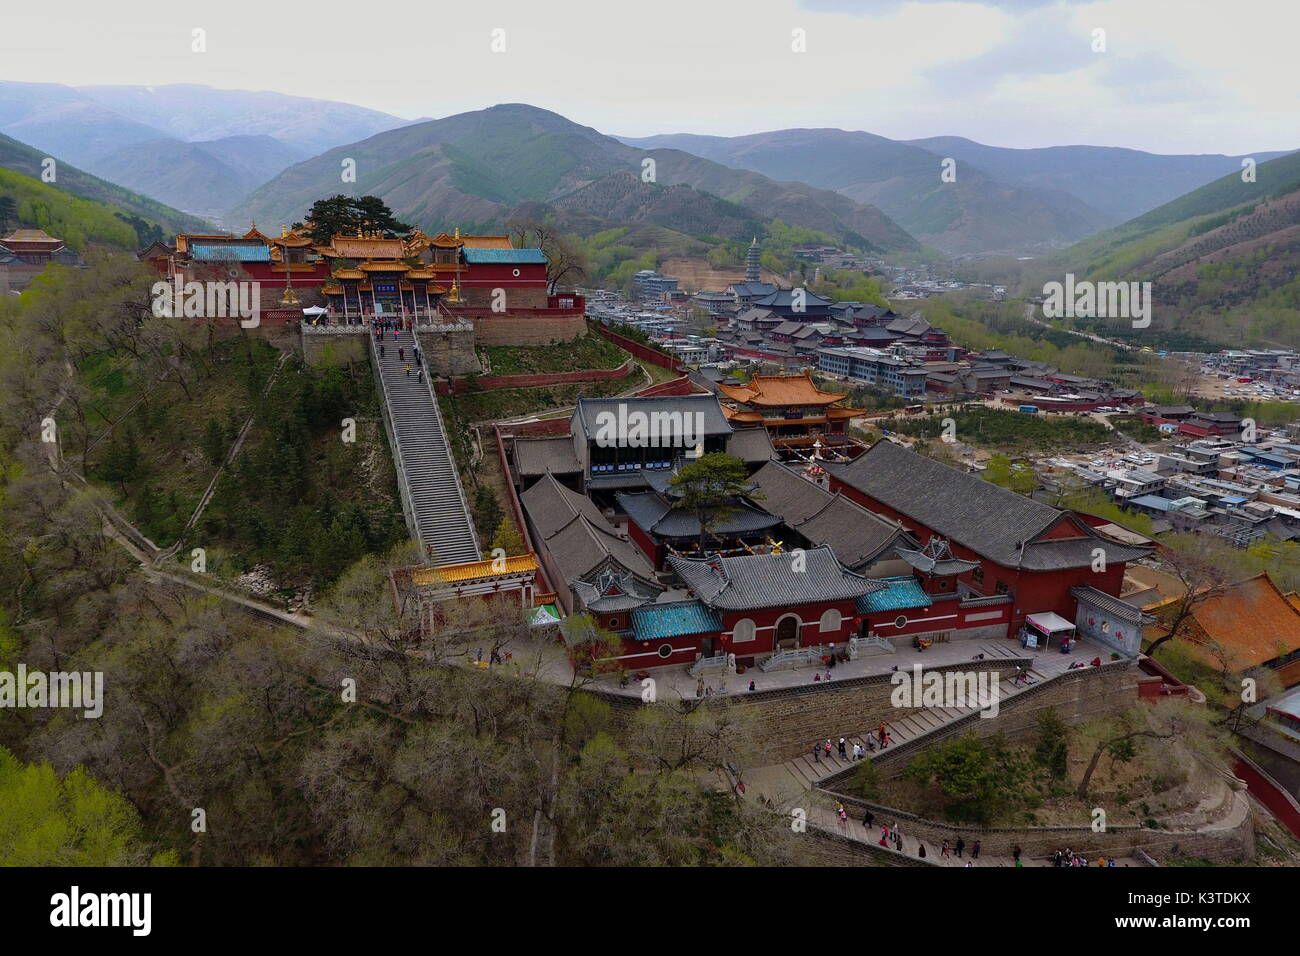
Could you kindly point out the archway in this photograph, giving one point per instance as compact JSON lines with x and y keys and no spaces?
{"x":787,"y":633}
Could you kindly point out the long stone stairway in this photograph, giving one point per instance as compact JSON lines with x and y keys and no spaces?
{"x":805,"y":771}
{"x":423,"y":457}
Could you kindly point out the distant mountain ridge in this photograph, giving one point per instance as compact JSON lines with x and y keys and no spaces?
{"x":1223,"y":259}
{"x":23,"y":159}
{"x":204,"y":178}
{"x":1002,"y":200}
{"x":474,"y":168}
{"x":192,"y":147}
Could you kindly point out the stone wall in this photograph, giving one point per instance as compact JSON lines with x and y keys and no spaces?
{"x":448,"y":349}
{"x":1233,"y":842}
{"x":788,"y":720}
{"x":321,"y":348}
{"x":1076,"y":696}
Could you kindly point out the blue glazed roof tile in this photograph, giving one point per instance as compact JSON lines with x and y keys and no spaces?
{"x":673,"y":620}
{"x":899,"y":593}
{"x":508,"y":256}
{"x":230,"y":253}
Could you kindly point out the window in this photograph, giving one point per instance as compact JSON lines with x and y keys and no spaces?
{"x":830,"y":620}
{"x":1002,"y":587}
{"x":515,"y":273}
{"x":978,"y":575}
{"x":900,"y":621}
{"x":613,"y":623}
{"x":1105,"y":627}
{"x":665,"y":650}
{"x":743,"y":631}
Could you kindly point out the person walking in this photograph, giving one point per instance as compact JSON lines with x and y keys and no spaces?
{"x":827,"y":748}
{"x":959,"y":846}
{"x":884,"y":835}
{"x":844,"y":754}
{"x":945,"y":852}
{"x":1015,"y":853}
{"x":381,"y":350}
{"x":401,"y":353}
{"x":883,"y":735}
{"x":817,"y":753}
{"x":868,"y":818}
{"x":408,"y":371}
{"x":975,"y":850}
{"x":920,"y":850}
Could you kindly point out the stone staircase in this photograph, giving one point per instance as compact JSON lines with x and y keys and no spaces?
{"x":805,"y":771}
{"x":430,"y":483}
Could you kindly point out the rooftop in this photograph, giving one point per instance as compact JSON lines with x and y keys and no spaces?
{"x":753,"y":581}
{"x":994,"y":522}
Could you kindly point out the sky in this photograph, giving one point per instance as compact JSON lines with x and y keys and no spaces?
{"x":1168,"y":76}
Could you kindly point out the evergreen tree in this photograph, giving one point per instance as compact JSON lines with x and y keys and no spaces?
{"x":214,"y":442}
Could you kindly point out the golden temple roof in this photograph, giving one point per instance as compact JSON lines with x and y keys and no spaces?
{"x":780,"y":390}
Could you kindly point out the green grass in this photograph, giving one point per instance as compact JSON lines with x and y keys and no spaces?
{"x":499,"y":403}
{"x":590,"y":351}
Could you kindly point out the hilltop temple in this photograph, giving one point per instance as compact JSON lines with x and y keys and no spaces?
{"x":443,"y":278}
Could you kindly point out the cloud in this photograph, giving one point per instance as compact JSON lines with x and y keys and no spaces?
{"x":876,"y":7}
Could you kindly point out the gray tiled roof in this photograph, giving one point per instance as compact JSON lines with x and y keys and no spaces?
{"x":751,"y":445}
{"x":1111,"y":605}
{"x":576,"y":534}
{"x":770,"y":580}
{"x":991,"y":521}
{"x":857,"y":536}
{"x":537,"y":456}
{"x":715,"y":423}
{"x":653,"y":514}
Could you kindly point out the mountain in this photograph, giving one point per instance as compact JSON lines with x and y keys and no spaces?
{"x":472,"y":169}
{"x":1222,"y":259}
{"x":193,"y":112}
{"x":204,"y":178}
{"x":1120,"y":183}
{"x":64,"y":123}
{"x":194,"y":147}
{"x":974,"y":213}
{"x":1008,"y":201}
{"x":19,"y":158}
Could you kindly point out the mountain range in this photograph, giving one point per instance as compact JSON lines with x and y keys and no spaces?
{"x":1223,"y":259}
{"x":1007,"y":201}
{"x":135,"y":135}
{"x":28,"y":163}
{"x":474,"y":169}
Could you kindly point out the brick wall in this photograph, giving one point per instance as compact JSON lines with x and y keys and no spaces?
{"x":528,"y":330}
{"x":653,"y":356}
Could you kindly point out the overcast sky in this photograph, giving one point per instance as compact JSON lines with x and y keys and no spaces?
{"x":1176,"y":75}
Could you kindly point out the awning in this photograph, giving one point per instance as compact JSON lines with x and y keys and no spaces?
{"x":1049,"y":622}
{"x":542,"y":616}
{"x":314,"y":310}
